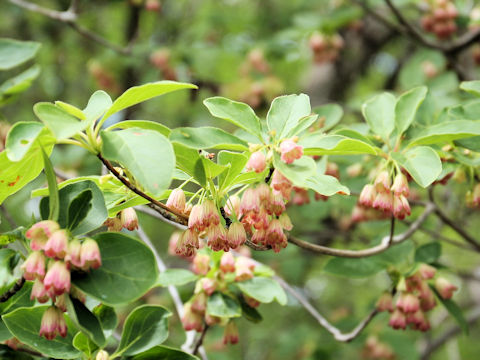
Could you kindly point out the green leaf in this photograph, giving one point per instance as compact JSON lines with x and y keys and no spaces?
{"x":303,"y":124}
{"x":320,"y":144}
{"x":176,"y":277}
{"x":224,"y":306}
{"x":285,"y":112}
{"x":85,"y":321}
{"x":472,"y":87}
{"x":79,"y":208}
{"x":235,"y":112}
{"x":251,"y":314}
{"x":98,"y":103}
{"x":407,"y":106}
{"x":107,"y":316}
{"x":12,"y":236}
{"x":164,"y":353}
{"x":326,"y":185}
{"x":147,"y":155}
{"x":263,"y":289}
{"x":72,"y":110}
{"x":145,"y":327}
{"x":329,"y":115}
{"x":446,"y":132}
{"x":298,"y":172}
{"x":95,"y":217}
{"x":53,"y":198}
{"x":14,"y":52}
{"x":422,"y":163}
{"x":354,"y":268}
{"x":21,"y":138}
{"x":138,"y":94}
{"x":7,"y":353}
{"x":207,"y":138}
{"x":428,"y":253}
{"x":128,"y":270}
{"x":18,"y":84}
{"x":235,"y":162}
{"x":20,"y":299}
{"x":212,"y":170}
{"x":142,"y":124}
{"x":61,"y":123}
{"x":24,"y":324}
{"x":379,"y":112}
{"x":83,"y":343}
{"x":453,"y":310}
{"x":190,"y":161}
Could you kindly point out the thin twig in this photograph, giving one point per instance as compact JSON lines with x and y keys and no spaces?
{"x":12,"y":291}
{"x":200,"y":340}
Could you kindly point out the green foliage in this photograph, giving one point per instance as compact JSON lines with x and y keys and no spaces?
{"x":223,"y":306}
{"x":175,"y":277}
{"x":263,"y":289}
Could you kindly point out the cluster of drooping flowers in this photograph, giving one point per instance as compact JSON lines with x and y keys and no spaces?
{"x":325,"y":48}
{"x":229,"y":270}
{"x":440,"y":18}
{"x":374,"y":349}
{"x":415,"y":298}
{"x":125,"y":219}
{"x":55,"y":254}
{"x":383,"y":198}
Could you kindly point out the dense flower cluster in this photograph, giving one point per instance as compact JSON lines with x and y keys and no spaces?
{"x":415,"y":298}
{"x":440,"y":18}
{"x":325,"y":48}
{"x":55,"y":254}
{"x":383,"y":198}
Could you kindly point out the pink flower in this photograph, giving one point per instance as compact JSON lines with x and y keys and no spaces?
{"x":275,"y":236}
{"x":236,"y":235}
{"x":201,"y":264}
{"x":191,"y":320}
{"x":40,"y":232}
{"x":129,"y":219}
{"x":383,"y":201}
{"x":227,"y":262}
{"x":276,"y":206}
{"x":230,"y":336}
{"x":244,"y":268}
{"x":90,"y":254}
{"x":257,"y":162}
{"x":385,"y":302}
{"x":290,"y":151}
{"x":427,"y":298}
{"x":426,"y":271}
{"x":259,"y":237}
{"x":281,"y":184}
{"x":383,"y":182}
{"x":53,"y":323}
{"x":113,"y":224}
{"x":401,"y":207}
{"x":233,"y":206}
{"x":398,"y":320}
{"x":177,"y":200}
{"x":195,"y":220}
{"x":418,"y":320}
{"x":212,"y":320}
{"x":61,"y":302}
{"x":408,"y":303}
{"x":190,"y":238}
{"x":250,"y":201}
{"x":400,"y":185}
{"x":285,"y":222}
{"x":217,"y":238}
{"x":210,"y":213}
{"x":185,"y":244}
{"x":367,"y":196}
{"x":39,"y":292}
{"x":208,"y":285}
{"x":300,"y":197}
{"x":57,"y":278}
{"x":199,"y":303}
{"x":74,"y":254}
{"x":445,"y":288}
{"x":57,"y":244}
{"x":34,"y":266}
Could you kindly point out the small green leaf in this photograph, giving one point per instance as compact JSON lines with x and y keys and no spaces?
{"x":21,"y":138}
{"x":207,"y":138}
{"x":98,"y":103}
{"x":18,"y":84}
{"x":326,"y":185}
{"x":212,"y":170}
{"x":53,"y":198}
{"x":79,"y":208}
{"x":12,"y":236}
{"x":298,"y":172}
{"x":379,"y":112}
{"x":263,"y":289}
{"x":138,"y":94}
{"x":176,"y":277}
{"x":446,"y":132}
{"x":321,"y":144}
{"x":190,"y":161}
{"x":235,"y":162}
{"x":422,"y":163}
{"x":285,"y":113}
{"x":145,"y":327}
{"x":453,"y":310}
{"x":61,"y":123}
{"x":85,"y":320}
{"x":142,"y":124}
{"x":235,"y":112}
{"x":224,"y":306}
{"x":72,"y":110}
{"x":107,"y":316}
{"x":147,"y":155}
{"x":83,"y":343}
{"x":329,"y":115}
{"x":14,"y":52}
{"x":407,"y":106}
{"x":472,"y":87}
{"x":164,"y":353}
{"x":303,"y":124}
{"x":428,"y":253}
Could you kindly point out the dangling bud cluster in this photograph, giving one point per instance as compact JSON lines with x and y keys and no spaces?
{"x":49,"y":265}
{"x":415,"y":298}
{"x":440,"y":18}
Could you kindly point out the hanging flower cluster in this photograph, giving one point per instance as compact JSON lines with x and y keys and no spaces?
{"x":125,"y":219}
{"x":440,"y":18}
{"x":55,"y":254}
{"x":415,"y":299}
{"x":325,"y":48}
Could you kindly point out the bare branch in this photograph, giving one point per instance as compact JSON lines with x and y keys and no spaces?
{"x":12,"y":291}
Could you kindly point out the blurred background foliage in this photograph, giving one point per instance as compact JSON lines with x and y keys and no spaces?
{"x":252,"y":51}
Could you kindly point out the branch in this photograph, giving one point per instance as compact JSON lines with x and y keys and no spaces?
{"x":385,"y":244}
{"x":16,"y":288}
{"x":200,"y":340}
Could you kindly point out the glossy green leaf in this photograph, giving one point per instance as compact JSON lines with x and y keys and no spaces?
{"x":85,"y":320}
{"x":428,"y":253}
{"x":329,"y":115}
{"x":379,"y":112}
{"x":235,"y":162}
{"x":190,"y":161}
{"x":164,"y":353}
{"x":298,"y":172}
{"x":235,"y":112}
{"x":326,"y":185}
{"x":83,"y":343}
{"x":446,"y":132}
{"x":147,"y":154}
{"x":97,"y":105}
{"x":320,"y":144}
{"x":61,"y":123}
{"x":422,"y":163}
{"x":207,"y":138}
{"x":138,"y":94}
{"x":176,"y":277}
{"x":142,"y":124}
{"x":107,"y":316}
{"x":145,"y":327}
{"x":18,"y":84}
{"x":263,"y":289}
{"x":53,"y":198}
{"x":24,"y":324}
{"x":79,"y":208}
{"x":285,"y":112}
{"x":407,"y":106}
{"x":224,"y":306}
{"x":14,"y":52}
{"x":128,"y":270}
{"x":21,"y":138}
{"x":72,"y":110}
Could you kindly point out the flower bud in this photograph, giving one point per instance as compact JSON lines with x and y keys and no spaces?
{"x":382,"y":182}
{"x":257,"y":162}
{"x":191,"y":320}
{"x":129,"y":219}
{"x":57,"y":279}
{"x":227,"y":262}
{"x":244,"y":268}
{"x":40,"y":232}
{"x":236,"y":235}
{"x":445,"y":288}
{"x":233,"y":206}
{"x":199,"y":303}
{"x":208,"y":285}
{"x":426,"y":271}
{"x":39,"y":292}
{"x":367,"y":195}
{"x":285,"y":222}
{"x":90,"y":255}
{"x":73,"y":256}
{"x":61,"y":302}
{"x":397,"y":320}
{"x":57,"y":244}
{"x":400,"y":185}
{"x":408,"y":303}
{"x":385,"y":302}
{"x":230,"y":336}
{"x":53,"y":324}
{"x":102,"y":355}
{"x":384,"y":202}
{"x":201,"y":264}
{"x":195,"y":220}
{"x":217,"y":238}
{"x":177,"y":200}
{"x":34,"y":266}
{"x":290,"y":151}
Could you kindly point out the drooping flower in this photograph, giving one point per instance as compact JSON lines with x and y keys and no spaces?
{"x":427,"y":271}
{"x":280,"y":184}
{"x":210,"y":214}
{"x":177,"y":200}
{"x":57,"y":245}
{"x":184,"y":246}
{"x":401,"y":207}
{"x":129,"y":219}
{"x":39,"y":292}
{"x":57,"y":279}
{"x":208,"y":285}
{"x":217,"y":238}
{"x":275,"y":236}
{"x":34,"y":266}
{"x":201,"y":264}
{"x":90,"y":254}
{"x":191,"y":320}
{"x":385,"y":302}
{"x":233,"y":206}
{"x":285,"y":222}
{"x":40,"y":232}
{"x":250,"y":201}
{"x":53,"y":323}
{"x":383,"y":201}
{"x":257,"y":162}
{"x":367,"y":195}
{"x":227,"y":262}
{"x":199,"y":303}
{"x":398,"y":320}
{"x":195,"y":220}
{"x":290,"y":151}
{"x":230,"y":336}
{"x":445,"y":288}
{"x":244,"y":268}
{"x":74,"y":253}
{"x":61,"y":302}
{"x":400,"y":185}
{"x":236,"y":235}
{"x":383,"y":182}
{"x":408,"y":303}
